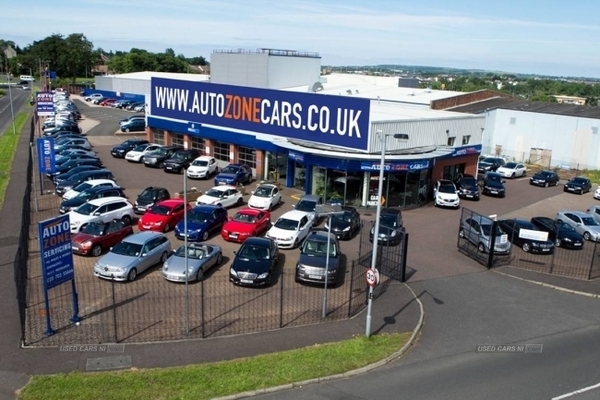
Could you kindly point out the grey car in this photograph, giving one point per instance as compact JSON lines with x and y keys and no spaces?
{"x":478,"y":230}
{"x":200,"y":258}
{"x":134,"y":255}
{"x":312,"y":262}
{"x":582,"y":222}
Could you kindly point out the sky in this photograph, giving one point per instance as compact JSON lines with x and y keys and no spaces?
{"x":551,"y":37}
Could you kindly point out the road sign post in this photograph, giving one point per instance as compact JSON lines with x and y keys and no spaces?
{"x":372,"y":277}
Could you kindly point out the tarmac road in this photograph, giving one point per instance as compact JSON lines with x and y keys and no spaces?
{"x":19,"y":97}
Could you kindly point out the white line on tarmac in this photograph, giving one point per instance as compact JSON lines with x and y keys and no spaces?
{"x":579,"y":391}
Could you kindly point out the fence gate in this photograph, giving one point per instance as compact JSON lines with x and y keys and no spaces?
{"x":477,"y":235}
{"x":391,"y":259}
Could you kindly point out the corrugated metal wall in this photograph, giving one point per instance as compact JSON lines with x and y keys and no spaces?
{"x":245,"y":69}
{"x":288,"y":71}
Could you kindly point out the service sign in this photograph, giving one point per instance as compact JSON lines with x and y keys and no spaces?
{"x":46,"y":155}
{"x":55,"y":249}
{"x":395,"y":167}
{"x":334,"y":120}
{"x":44,"y":104}
{"x":533,"y":235}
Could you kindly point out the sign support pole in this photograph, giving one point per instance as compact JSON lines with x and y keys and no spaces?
{"x":35,"y":195}
{"x":75,"y":317}
{"x":186,"y":263}
{"x":49,"y":330}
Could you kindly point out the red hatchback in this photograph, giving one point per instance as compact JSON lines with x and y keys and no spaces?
{"x":245,"y":223}
{"x":107,"y":102}
{"x":97,"y":236}
{"x":163,"y":216}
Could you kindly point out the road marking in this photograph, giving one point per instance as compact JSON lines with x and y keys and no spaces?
{"x":296,"y":196}
{"x":564,"y":396}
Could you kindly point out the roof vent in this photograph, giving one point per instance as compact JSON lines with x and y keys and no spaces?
{"x":349,"y":91}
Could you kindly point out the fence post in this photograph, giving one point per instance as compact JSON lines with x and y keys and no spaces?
{"x":491,"y":245}
{"x":351,"y":289}
{"x":281,"y":276}
{"x":404,"y":257}
{"x":202,"y":308}
{"x":112,"y":281}
{"x":592,"y":261}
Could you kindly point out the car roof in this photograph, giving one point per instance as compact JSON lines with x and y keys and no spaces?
{"x":491,"y":173}
{"x":103,"y":200}
{"x":310,"y":197}
{"x":206,"y":158}
{"x":391,"y":211}
{"x":579,"y":213}
{"x":321,"y":236}
{"x":142,"y":237}
{"x":207,"y":208}
{"x":222,"y":188}
{"x":294,"y":215}
{"x":445,"y":182}
{"x":100,"y":181}
{"x":170,"y":202}
{"x":96,"y":189}
{"x":260,"y":241}
{"x":519,"y":221}
{"x":154,"y":188}
{"x":481,"y":219}
{"x":251,"y":211}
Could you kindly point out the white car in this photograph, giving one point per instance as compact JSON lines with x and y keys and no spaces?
{"x":86,"y":185}
{"x":597,"y":193}
{"x":445,"y":194}
{"x":93,"y":96}
{"x":104,"y":209}
{"x":512,"y":170}
{"x":265,"y":197}
{"x":224,"y":196}
{"x":138,"y":152}
{"x":290,"y":229}
{"x":202,"y":167}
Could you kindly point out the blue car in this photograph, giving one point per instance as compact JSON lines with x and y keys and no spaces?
{"x":234,"y":174}
{"x":202,"y":221}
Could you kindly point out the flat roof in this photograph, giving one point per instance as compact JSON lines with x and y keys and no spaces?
{"x":385,"y":111}
{"x":146,"y":75}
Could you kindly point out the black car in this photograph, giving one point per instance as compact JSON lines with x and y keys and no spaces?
{"x":513,"y":228}
{"x":149,"y":197}
{"x":490,"y":164}
{"x":545,"y":179}
{"x":61,"y":134}
{"x":92,"y":193}
{"x":254,"y":263}
{"x":346,"y":224}
{"x":121,"y":150}
{"x":181,"y":160}
{"x":76,"y":170}
{"x":579,"y":185}
{"x":70,"y":128}
{"x":156,"y":159}
{"x":124,"y":120}
{"x":563,"y":235}
{"x":493,"y":185}
{"x":65,"y":185}
{"x":390,"y":227}
{"x":75,"y":157}
{"x":312,"y":262}
{"x":76,"y":163}
{"x":468,"y":187}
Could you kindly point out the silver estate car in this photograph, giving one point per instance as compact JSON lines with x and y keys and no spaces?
{"x":135,"y":254}
{"x":200,"y":258}
{"x":478,"y":229}
{"x":582,"y":222}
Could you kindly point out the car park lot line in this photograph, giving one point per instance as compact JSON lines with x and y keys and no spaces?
{"x":576,"y":392}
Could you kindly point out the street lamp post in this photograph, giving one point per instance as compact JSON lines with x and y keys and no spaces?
{"x":12,"y":111}
{"x":186,"y":262}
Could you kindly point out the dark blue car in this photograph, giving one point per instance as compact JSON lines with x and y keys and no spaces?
{"x":202,"y":221}
{"x":234,"y":174}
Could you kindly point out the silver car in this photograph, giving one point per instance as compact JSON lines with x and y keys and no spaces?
{"x":200,"y":258}
{"x":582,"y":222}
{"x":135,"y":254}
{"x":478,"y":229}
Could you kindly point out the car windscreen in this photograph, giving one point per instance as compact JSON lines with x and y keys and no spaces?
{"x":318,"y":248}
{"x":94,"y":228}
{"x":253,"y":252}
{"x":388,"y":221}
{"x":263,"y":192}
{"x":469,"y":181}
{"x":344,"y":217}
{"x":127,"y":249}
{"x":219,"y":194}
{"x":494,"y":178}
{"x":306,"y":206}
{"x":192,"y":252}
{"x":447,"y":189}
{"x":487,"y":230}
{"x":286,"y":224}
{"x":230,"y":170}
{"x":511,"y":165}
{"x":160,"y":210}
{"x":86,"y":209}
{"x":140,"y":147}
{"x":147,"y":195}
{"x":244,"y":217}
{"x":565,"y":228}
{"x":200,"y":163}
{"x":83,"y":186}
{"x":198,"y":217}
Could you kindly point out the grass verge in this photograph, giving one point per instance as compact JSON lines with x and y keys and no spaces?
{"x":8,"y":146}
{"x":205,"y":381}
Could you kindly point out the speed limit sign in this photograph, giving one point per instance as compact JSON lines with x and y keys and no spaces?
{"x":371,"y":277}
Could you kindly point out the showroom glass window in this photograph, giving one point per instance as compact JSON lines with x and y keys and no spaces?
{"x":277,"y":163}
{"x":338,"y":186}
{"x":176,"y":139}
{"x":159,"y":136}
{"x":246,"y":155}
{"x":221,"y":151}
{"x":198,"y":143}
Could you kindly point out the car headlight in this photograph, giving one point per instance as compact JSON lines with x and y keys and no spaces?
{"x":567,"y":240}
{"x":331,"y":271}
{"x":393,"y":233}
{"x":372,"y":231}
{"x":288,"y":238}
{"x":67,"y":188}
{"x":535,"y":244}
{"x":225,"y":231}
{"x":232,"y":271}
{"x":96,"y":265}
{"x":346,"y":229}
{"x":263,"y":275}
{"x":190,"y":268}
{"x":165,"y":267}
{"x":86,"y":245}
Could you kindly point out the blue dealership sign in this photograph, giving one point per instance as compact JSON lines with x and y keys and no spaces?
{"x":44,"y":104}
{"x":395,"y":166}
{"x":334,"y":120}
{"x":46,"y":155}
{"x":56,"y":252}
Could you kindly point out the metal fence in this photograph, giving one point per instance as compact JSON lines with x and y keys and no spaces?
{"x":581,"y":263}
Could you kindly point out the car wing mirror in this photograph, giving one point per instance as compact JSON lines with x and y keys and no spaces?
{"x":144,"y":254}
{"x":252,"y":192}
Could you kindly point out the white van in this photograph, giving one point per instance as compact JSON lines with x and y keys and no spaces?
{"x":27,"y":78}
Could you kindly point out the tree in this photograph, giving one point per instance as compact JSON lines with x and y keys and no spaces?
{"x":78,"y":54}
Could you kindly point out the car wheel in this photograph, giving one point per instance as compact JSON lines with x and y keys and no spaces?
{"x":132,"y":275}
{"x":295,"y":243}
{"x":512,"y":176}
{"x":219,"y":258}
{"x":587,"y":236}
{"x":296,"y":278}
{"x":556,"y":183}
{"x":96,"y":250}
{"x":166,"y":228}
{"x":435,"y":203}
{"x":141,"y":159}
{"x":126,"y":219}
{"x":127,"y":130}
{"x":240,"y":202}
{"x":161,"y":164}
{"x":269,"y":281}
{"x":526,"y":247}
{"x":546,"y":184}
{"x":557,"y":242}
{"x":164,"y":257}
{"x":461,"y":233}
{"x":199,"y":275}
{"x":481,"y":248}
{"x":205,"y":235}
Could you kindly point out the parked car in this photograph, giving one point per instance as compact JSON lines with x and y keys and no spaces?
{"x":121,"y":150}
{"x":80,"y":141}
{"x":223,"y":196}
{"x":246,"y":223}
{"x":202,"y":221}
{"x":95,"y":237}
{"x":137,"y":153}
{"x":202,"y":167}
{"x":312,"y":262}
{"x":479,"y":230}
{"x":132,"y":256}
{"x":594,"y":211}
{"x":468,"y":187}
{"x":65,"y":185}
{"x":107,"y":102}
{"x":290,"y":229}
{"x":66,"y":175}
{"x":200,"y":259}
{"x":445,"y":194}
{"x":346,"y":224}
{"x":135,"y":125}
{"x":579,"y":185}
{"x":53,"y":132}
{"x":235,"y":175}
{"x":254,"y":263}
{"x":597,"y":193}
{"x":180,"y":160}
{"x":520,"y":233}
{"x":105,"y":209}
{"x":68,"y":152}
{"x":265,"y":197}
{"x":98,"y":100}
{"x":493,"y":185}
{"x":563,"y":235}
{"x":75,"y":157}
{"x":512,"y":170}
{"x":69,"y":166}
{"x":163,"y":216}
{"x":96,"y":192}
{"x":131,"y":118}
{"x":490,"y":164}
{"x":93,"y":96}
{"x":582,"y":222}
{"x":390,"y":227}
{"x":149,"y":197}
{"x":87,"y":185}
{"x":122,"y":103}
{"x":157,"y":158}
{"x":308,"y":204}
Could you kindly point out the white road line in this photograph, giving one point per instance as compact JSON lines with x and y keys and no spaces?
{"x":564,"y":396}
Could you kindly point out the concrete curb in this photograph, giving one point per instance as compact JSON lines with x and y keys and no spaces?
{"x":348,"y":374}
{"x":547,"y":285}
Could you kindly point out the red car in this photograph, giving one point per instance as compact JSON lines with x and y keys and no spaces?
{"x":107,"y":102}
{"x":163,"y":216}
{"x":245,"y":223}
{"x":97,"y":236}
